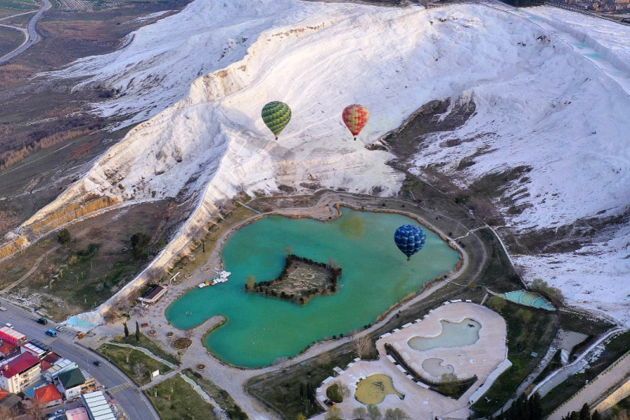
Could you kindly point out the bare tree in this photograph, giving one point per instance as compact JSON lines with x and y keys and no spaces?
{"x":363,"y":345}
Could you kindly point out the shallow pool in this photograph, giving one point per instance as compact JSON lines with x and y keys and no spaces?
{"x":259,"y":330}
{"x":454,"y":334}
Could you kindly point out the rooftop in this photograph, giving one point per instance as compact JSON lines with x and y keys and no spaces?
{"x":79,"y":413}
{"x":47,"y":394}
{"x":19,"y":364}
{"x":71,"y":378}
{"x":152,"y":292}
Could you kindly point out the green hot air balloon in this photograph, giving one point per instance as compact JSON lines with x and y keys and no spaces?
{"x":276,"y":116}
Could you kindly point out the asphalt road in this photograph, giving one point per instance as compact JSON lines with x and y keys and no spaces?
{"x":123,"y":390}
{"x":32,"y":36}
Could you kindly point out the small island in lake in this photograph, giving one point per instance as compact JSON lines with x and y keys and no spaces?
{"x":300,"y":280}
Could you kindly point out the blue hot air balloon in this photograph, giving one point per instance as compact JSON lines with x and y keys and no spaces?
{"x":409,"y":239}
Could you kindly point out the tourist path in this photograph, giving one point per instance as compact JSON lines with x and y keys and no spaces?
{"x":613,"y":375}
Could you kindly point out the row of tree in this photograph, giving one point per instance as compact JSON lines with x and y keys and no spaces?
{"x":531,"y":409}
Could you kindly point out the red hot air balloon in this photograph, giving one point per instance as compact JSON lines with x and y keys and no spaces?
{"x":355,"y":117}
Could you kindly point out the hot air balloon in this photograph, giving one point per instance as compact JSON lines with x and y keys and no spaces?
{"x":276,"y":116}
{"x":355,"y":117}
{"x":409,"y":239}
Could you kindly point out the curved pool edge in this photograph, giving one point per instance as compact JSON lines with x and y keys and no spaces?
{"x":335,"y":212}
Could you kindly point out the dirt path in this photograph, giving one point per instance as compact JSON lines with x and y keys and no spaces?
{"x":29,"y":272}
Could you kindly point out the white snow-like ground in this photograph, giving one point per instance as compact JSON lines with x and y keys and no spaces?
{"x":546,"y":100}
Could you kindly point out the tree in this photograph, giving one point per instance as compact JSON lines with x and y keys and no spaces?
{"x":363,"y":345}
{"x":334,"y":413}
{"x":139,"y":245}
{"x":36,"y":410}
{"x":300,"y":417}
{"x":360,"y":413}
{"x":585,"y":412}
{"x":396,"y":414}
{"x":374,"y":413}
{"x":126,"y":330}
{"x":596,"y":415}
{"x":139,"y":370}
{"x":63,"y":237}
{"x":137,"y":331}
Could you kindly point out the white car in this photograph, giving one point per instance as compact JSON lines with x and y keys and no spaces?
{"x":8,"y":324}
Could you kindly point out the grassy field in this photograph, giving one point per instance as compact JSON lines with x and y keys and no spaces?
{"x":133,"y":362}
{"x":529,"y":331}
{"x":175,"y":399}
{"x":97,"y":262}
{"x":10,"y":39}
{"x":148,"y":344}
{"x":225,"y":400}
{"x":13,"y":7}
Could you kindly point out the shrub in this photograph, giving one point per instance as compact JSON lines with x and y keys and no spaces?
{"x":139,"y":245}
{"x":552,"y":293}
{"x":333,"y":393}
{"x":63,"y":237}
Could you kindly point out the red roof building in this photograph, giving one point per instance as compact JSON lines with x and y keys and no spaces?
{"x":19,"y":372}
{"x":48,"y":396}
{"x":12,"y":336}
{"x":7,"y":349}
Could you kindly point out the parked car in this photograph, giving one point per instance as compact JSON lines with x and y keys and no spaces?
{"x":2,"y":308}
{"x":8,"y":324}
{"x":42,"y":321}
{"x":51,"y":333}
{"x":96,"y":363}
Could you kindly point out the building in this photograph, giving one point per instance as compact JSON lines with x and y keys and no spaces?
{"x":79,"y":413}
{"x":19,"y":372}
{"x":12,"y":336}
{"x":48,"y":396}
{"x":8,"y":350}
{"x":74,"y":383}
{"x":97,"y":406}
{"x":36,"y":350}
{"x":60,"y":365}
{"x":153,"y":294}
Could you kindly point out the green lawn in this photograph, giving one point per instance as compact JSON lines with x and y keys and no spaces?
{"x":175,"y":399}
{"x":148,"y":344}
{"x":133,"y":362}
{"x":529,"y":331}
{"x":225,"y":400}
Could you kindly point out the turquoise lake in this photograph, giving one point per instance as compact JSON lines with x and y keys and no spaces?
{"x":260,"y":330}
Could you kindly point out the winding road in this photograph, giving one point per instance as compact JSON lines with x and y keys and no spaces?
{"x":126,"y":394}
{"x":30,"y":33}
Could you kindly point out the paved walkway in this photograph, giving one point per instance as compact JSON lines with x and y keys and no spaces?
{"x":479,"y":358}
{"x":612,"y":376}
{"x":560,"y":375}
{"x":145,"y":351}
{"x":160,"y":379}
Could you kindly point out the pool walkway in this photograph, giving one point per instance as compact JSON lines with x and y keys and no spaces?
{"x":482,"y":358}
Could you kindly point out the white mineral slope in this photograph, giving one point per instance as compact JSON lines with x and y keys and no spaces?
{"x":565,"y":119}
{"x":541,"y":103}
{"x":160,"y":61}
